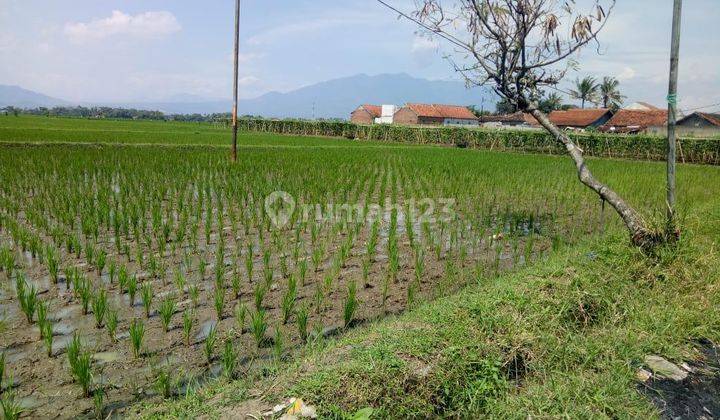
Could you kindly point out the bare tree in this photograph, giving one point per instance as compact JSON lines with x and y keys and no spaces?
{"x":519,"y":47}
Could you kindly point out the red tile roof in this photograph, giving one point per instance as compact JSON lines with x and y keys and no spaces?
{"x":577,"y":117}
{"x":374,"y":110}
{"x":442,"y":111}
{"x":517,"y":117}
{"x":630,"y":118}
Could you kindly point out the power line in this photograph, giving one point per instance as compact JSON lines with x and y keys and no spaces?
{"x":700,"y":107}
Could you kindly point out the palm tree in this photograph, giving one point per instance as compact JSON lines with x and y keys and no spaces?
{"x":610,"y":92}
{"x":551,"y":103}
{"x":586,"y":90}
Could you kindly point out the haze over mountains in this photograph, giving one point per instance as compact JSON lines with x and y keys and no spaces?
{"x":330,"y":99}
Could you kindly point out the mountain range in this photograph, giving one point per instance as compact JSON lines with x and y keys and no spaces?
{"x":330,"y":99}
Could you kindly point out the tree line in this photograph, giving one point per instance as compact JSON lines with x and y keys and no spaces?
{"x":103,"y":112}
{"x":588,"y":90}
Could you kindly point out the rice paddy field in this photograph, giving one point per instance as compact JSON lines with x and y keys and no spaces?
{"x":137,"y":263}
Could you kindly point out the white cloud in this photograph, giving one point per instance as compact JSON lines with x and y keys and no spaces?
{"x":627,"y":74}
{"x":305,"y":26}
{"x":148,"y":24}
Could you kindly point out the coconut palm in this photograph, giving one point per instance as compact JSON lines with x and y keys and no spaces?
{"x":610,"y":92}
{"x":585,"y":90}
{"x":552,"y":103}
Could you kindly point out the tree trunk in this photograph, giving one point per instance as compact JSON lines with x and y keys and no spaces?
{"x":639,"y":233}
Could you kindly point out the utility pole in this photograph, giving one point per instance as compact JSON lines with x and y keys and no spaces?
{"x":672,"y":110}
{"x":235,"y":81}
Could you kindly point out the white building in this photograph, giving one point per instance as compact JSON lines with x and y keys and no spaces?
{"x":386,"y":114}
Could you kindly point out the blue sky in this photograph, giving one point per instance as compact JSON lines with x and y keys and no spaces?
{"x":132,"y":50}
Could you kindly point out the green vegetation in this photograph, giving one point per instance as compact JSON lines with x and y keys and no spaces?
{"x":518,"y":295}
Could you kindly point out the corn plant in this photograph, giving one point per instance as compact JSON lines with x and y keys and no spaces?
{"x":167,"y":309}
{"x":146,"y":294}
{"x":100,"y":307}
{"x":350,"y":305}
{"x":229,"y":359}
{"x":137,"y":332}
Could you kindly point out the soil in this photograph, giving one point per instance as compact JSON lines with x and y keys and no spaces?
{"x":45,"y":388}
{"x":695,"y":397}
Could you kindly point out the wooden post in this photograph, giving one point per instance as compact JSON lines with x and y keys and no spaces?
{"x":235,"y":81}
{"x":672,"y":110}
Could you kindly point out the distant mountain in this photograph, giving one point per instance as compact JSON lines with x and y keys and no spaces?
{"x":23,"y":98}
{"x":331,"y":99}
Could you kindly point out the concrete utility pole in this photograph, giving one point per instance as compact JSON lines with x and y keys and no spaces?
{"x":672,"y":109}
{"x":235,"y":81}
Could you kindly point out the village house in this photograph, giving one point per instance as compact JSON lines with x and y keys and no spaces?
{"x":634,"y":121}
{"x":434,"y":114}
{"x":572,"y":119}
{"x":366,"y":114}
{"x":578,"y":119}
{"x":699,"y":124}
{"x":515,"y":120}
